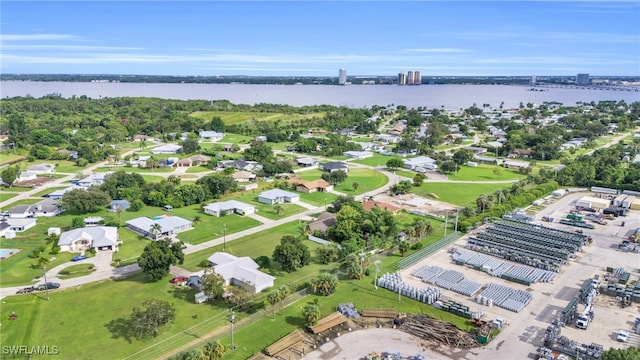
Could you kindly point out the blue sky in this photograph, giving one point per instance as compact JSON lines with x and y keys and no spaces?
{"x":306,"y":38}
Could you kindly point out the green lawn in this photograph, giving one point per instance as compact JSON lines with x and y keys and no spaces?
{"x":211,"y":227}
{"x":6,"y":196}
{"x":131,"y":247}
{"x":9,"y":156}
{"x":376,"y":160}
{"x":266,"y":210}
{"x":318,"y":198}
{"x":238,"y":117}
{"x":76,"y":271}
{"x":457,"y":194}
{"x":48,"y":191}
{"x":368,"y":179}
{"x":235,"y":139}
{"x":131,"y":169}
{"x":152,"y":178}
{"x":405,"y":173}
{"x":62,"y":166}
{"x":18,"y":268}
{"x":485,"y":173}
{"x":197,"y":169}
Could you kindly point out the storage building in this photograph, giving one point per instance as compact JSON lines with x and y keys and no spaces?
{"x":635,"y":205}
{"x":593,"y":202}
{"x":619,"y":200}
{"x":626,"y":203}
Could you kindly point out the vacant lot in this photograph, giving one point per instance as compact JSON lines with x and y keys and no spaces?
{"x":240,"y":117}
{"x":456,"y":193}
{"x":485,"y":173}
{"x":367,"y":179}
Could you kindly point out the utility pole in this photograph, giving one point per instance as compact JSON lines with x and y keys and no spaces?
{"x":457,"y":213}
{"x":46,"y":285}
{"x":446,"y":217}
{"x":232,"y":319}
{"x":224,"y":237}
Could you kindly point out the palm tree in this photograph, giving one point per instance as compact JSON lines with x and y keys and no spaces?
{"x":411,"y":233}
{"x":311,"y":314}
{"x":283,"y":292}
{"x":273,"y":297}
{"x":213,"y":350}
{"x":500,"y":195}
{"x":355,"y":186}
{"x":196,"y":219}
{"x":278,"y":209}
{"x":481,"y":202}
{"x":155,"y":230}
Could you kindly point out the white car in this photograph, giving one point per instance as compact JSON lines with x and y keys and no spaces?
{"x":622,"y":335}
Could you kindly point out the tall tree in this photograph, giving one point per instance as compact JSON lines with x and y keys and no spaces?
{"x":213,"y":350}
{"x":147,"y":321}
{"x":10,"y":174}
{"x":292,"y":254}
{"x":158,"y":256}
{"x":325,"y":284}
{"x":311,"y":313}
{"x":212,"y":284}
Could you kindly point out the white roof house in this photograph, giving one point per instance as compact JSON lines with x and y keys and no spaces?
{"x":98,"y":237}
{"x":166,"y":149}
{"x":276,"y":196}
{"x":19,"y":225}
{"x":240,"y":271}
{"x":424,"y":162}
{"x":169,"y":226}
{"x":27,"y":175}
{"x":42,"y":168}
{"x":94,"y":179}
{"x":58,"y":194}
{"x":231,"y":206}
{"x":210,"y":135}
{"x":358,"y":154}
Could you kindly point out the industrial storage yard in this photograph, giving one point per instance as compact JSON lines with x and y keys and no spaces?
{"x":536,"y":296}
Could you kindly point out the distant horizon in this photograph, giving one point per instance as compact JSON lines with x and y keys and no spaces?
{"x":317,"y":38}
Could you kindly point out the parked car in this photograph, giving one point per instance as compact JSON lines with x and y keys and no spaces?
{"x":622,"y":335}
{"x":26,"y":290}
{"x":78,"y":258}
{"x":178,"y":280}
{"x":49,"y":285}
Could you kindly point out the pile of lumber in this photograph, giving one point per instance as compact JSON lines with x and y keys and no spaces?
{"x":440,"y":331}
{"x":379,"y":313}
{"x":285,"y":343}
{"x":328,"y":322}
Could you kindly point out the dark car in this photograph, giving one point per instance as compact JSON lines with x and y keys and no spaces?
{"x":78,"y":258}
{"x":49,"y":285}
{"x":26,"y":290}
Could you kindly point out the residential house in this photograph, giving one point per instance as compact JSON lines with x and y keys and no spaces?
{"x":334,"y":166}
{"x":247,"y":187}
{"x":358,"y":154}
{"x":26,"y":176}
{"x":277,"y":196}
{"x":243,"y":176}
{"x":385,"y":138}
{"x":186,"y":162}
{"x":476,"y":150}
{"x":495,"y":144}
{"x":58,"y":194}
{"x":260,"y":138}
{"x":72,"y":155}
{"x":167,"y":149}
{"x":168,"y":226}
{"x":520,"y":153}
{"x":227,"y":147}
{"x":141,"y":138}
{"x":100,"y":238}
{"x":199,"y":160}
{"x":94,"y":179}
{"x":5,"y":228}
{"x":306,"y":161}
{"x":323,"y":223}
{"x":420,"y":163}
{"x":210,"y":135}
{"x":240,"y":165}
{"x":119,"y":205}
{"x":370,"y":204}
{"x":47,"y":208}
{"x":42,"y":169}
{"x":229,"y":207}
{"x":314,"y":186}
{"x":347,"y":131}
{"x":510,"y":164}
{"x":93,"y":221}
{"x":20,"y":212}
{"x":485,"y":160}
{"x":241,"y":271}
{"x":20,"y":225}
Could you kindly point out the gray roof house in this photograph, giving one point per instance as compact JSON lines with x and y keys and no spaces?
{"x":58,"y":194}
{"x":94,"y":179}
{"x":420,"y":162}
{"x":231,"y":206}
{"x":42,"y":169}
{"x":167,"y":149}
{"x":306,"y":161}
{"x":210,"y":135}
{"x":46,"y":207}
{"x":277,"y":196}
{"x":334,"y":166}
{"x":169,"y":226}
{"x":99,"y":238}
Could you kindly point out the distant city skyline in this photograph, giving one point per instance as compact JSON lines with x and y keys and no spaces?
{"x":309,"y":38}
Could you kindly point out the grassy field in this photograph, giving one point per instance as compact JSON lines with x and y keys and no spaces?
{"x":376,"y":160}
{"x":318,"y":198}
{"x":485,"y":173}
{"x":152,"y":178}
{"x":457,"y":194}
{"x":9,"y":156}
{"x":48,"y":191}
{"x":368,"y":179}
{"x":131,"y":169}
{"x":197,"y":169}
{"x":239,"y":117}
{"x":235,"y":139}
{"x":6,"y":196}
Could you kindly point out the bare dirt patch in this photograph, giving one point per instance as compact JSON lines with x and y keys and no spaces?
{"x":419,"y":205}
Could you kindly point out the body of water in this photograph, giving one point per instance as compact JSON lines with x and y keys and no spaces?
{"x":430,"y":96}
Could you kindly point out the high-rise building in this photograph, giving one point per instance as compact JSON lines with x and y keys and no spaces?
{"x":582,"y":79}
{"x":417,"y":77}
{"x":342,"y":76}
{"x":410,"y":77}
{"x":402,"y":78}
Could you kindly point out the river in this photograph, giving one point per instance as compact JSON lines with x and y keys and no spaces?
{"x":429,"y":96}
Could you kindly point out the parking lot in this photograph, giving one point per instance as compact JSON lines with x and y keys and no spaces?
{"x":526,"y":329}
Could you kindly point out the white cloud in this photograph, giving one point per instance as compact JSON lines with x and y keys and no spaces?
{"x":67,"y":47}
{"x":438,"y":50}
{"x":36,"y":37}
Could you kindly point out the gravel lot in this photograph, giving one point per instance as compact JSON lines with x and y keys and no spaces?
{"x":525,"y":332}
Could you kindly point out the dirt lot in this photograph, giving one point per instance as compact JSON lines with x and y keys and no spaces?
{"x":411,"y":202}
{"x":39,"y":181}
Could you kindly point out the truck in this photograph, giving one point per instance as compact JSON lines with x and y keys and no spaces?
{"x":585,"y":317}
{"x":576,"y":217}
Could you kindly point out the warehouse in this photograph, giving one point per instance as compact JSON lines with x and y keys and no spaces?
{"x":590,"y":202}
